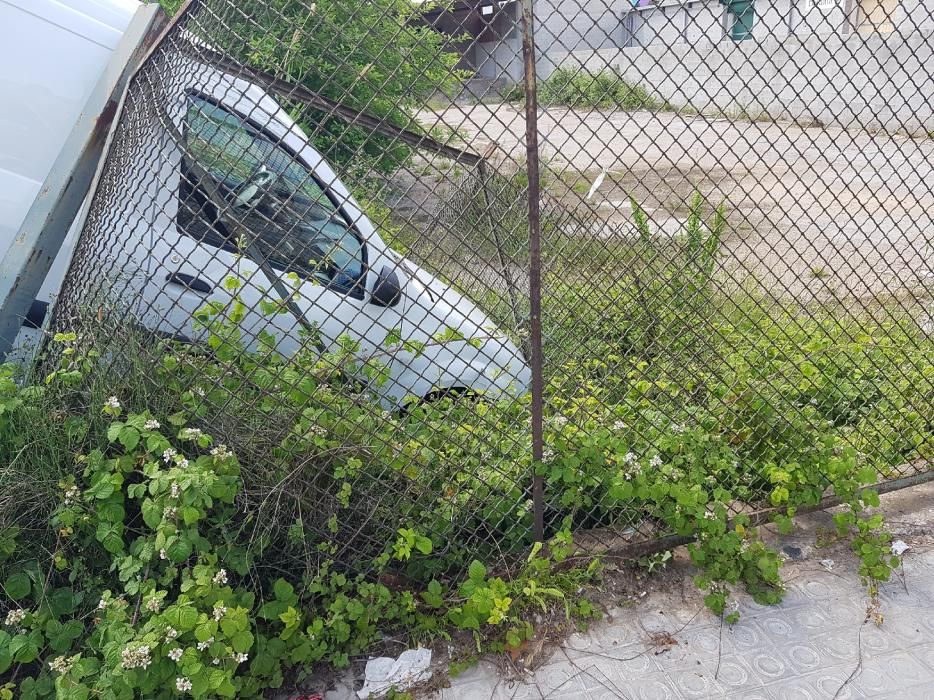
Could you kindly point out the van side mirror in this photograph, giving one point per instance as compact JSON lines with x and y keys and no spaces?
{"x":387,"y":291}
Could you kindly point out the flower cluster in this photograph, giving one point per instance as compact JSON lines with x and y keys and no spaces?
{"x":220,"y":578}
{"x":152,"y":424}
{"x":220,"y":451}
{"x":205,"y":644}
{"x":190,"y":434}
{"x":182,"y":685}
{"x":113,"y":403}
{"x":72,"y":493}
{"x":15,"y":617}
{"x":136,"y":657}
{"x":219,"y":611}
{"x":170,"y":634}
{"x":60,"y":664}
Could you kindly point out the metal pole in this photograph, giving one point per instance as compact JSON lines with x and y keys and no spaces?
{"x":535,"y":262}
{"x":26,"y":262}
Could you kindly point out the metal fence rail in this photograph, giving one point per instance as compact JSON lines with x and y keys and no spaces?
{"x":489,"y":304}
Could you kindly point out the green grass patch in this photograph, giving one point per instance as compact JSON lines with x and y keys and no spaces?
{"x":580,"y":88}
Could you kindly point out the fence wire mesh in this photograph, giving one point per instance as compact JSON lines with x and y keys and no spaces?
{"x":314,"y":226}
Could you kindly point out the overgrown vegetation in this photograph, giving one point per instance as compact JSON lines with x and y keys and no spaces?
{"x":373,"y":56}
{"x":142,"y":567}
{"x":178,"y":520}
{"x":580,"y":88}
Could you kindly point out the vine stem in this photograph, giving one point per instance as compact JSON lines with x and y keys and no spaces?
{"x":139,"y":599}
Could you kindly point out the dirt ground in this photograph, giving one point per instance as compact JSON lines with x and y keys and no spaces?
{"x":812,"y":211}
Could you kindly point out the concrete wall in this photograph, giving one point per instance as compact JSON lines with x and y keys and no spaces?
{"x":803,"y":61}
{"x":861,"y":81}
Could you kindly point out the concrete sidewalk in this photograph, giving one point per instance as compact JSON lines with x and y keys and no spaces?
{"x":816,"y":644}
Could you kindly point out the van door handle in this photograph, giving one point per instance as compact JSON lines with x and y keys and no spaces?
{"x":195,"y":284}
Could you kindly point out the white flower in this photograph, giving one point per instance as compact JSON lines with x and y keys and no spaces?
{"x":182,"y":685}
{"x":220,"y":577}
{"x":220,"y":451}
{"x":198,"y":391}
{"x":548,"y":455}
{"x":163,"y":555}
{"x":71,"y":495}
{"x":61,"y":665}
{"x":153,"y":604}
{"x":559,"y":421}
{"x":619,"y":425}
{"x":176,"y":490}
{"x":102,"y":604}
{"x":709,"y":515}
{"x":318,"y":430}
{"x":168,"y":455}
{"x":175,"y":654}
{"x":219,"y":611}
{"x":112,"y":403}
{"x":170,"y":633}
{"x":241,"y":658}
{"x":190,"y":434}
{"x":137,"y":657}
{"x":152,"y":424}
{"x":656,"y":461}
{"x":169,"y":512}
{"x":205,"y":644}
{"x":630,"y":458}
{"x":181,"y":462}
{"x":677,"y":428}
{"x":216,"y":662}
{"x":15,"y":616}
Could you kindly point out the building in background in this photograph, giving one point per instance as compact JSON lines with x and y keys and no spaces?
{"x":484,"y":32}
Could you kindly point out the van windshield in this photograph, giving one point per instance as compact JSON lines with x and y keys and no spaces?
{"x":282,"y":207}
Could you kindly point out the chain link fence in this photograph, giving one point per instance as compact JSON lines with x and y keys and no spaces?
{"x":484,"y":272}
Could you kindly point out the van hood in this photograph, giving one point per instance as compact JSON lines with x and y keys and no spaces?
{"x":447,"y":307}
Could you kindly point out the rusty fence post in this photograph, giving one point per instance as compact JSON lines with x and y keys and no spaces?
{"x":535,"y":261}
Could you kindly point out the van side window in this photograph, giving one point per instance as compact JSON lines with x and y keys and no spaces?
{"x":288,"y":214}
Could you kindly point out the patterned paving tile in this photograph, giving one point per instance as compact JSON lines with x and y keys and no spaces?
{"x":807,"y":648}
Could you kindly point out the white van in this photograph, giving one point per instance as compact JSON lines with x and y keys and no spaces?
{"x":278,"y":197}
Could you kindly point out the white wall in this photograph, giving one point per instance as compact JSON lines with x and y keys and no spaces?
{"x":859,"y":81}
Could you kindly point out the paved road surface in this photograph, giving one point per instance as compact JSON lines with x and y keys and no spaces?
{"x":813,"y":211}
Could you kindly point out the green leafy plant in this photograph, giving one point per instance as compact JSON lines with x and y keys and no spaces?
{"x":577,"y":87}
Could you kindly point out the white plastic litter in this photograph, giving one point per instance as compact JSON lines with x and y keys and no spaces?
{"x":384,"y":673}
{"x":827,"y":564}
{"x":596,"y":184}
{"x":899,"y":548}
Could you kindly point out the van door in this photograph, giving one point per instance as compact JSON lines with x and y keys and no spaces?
{"x":276,"y":209}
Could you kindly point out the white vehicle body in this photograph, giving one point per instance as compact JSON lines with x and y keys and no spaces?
{"x":169,"y":273}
